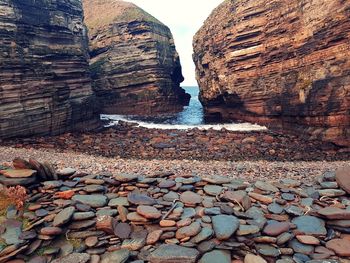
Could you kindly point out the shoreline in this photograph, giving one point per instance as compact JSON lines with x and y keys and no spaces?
{"x":127,"y":141}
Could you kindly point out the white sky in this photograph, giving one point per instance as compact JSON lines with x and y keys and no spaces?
{"x":184,"y":18}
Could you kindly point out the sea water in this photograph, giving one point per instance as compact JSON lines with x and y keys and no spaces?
{"x":191,"y":117}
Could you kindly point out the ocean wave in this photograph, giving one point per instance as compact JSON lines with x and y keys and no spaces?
{"x":114,"y":119}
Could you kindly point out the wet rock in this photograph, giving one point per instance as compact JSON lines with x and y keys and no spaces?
{"x":125,"y":178}
{"x":224,"y":226}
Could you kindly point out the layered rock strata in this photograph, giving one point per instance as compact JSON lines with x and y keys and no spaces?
{"x":280,"y":63}
{"x":134,"y":63}
{"x":45,"y":87}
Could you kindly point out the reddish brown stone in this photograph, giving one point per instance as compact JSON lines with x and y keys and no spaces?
{"x":340,"y":246}
{"x":343,"y":178}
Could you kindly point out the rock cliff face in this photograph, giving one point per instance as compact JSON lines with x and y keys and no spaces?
{"x":45,"y":87}
{"x":280,"y":63}
{"x":134,"y":63}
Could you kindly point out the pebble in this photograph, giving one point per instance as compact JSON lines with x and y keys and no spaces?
{"x":121,"y":256}
{"x":310,"y":225}
{"x":249,"y":258}
{"x":64,"y":216}
{"x":149,"y":212}
{"x":173,"y":253}
{"x":308,"y":240}
{"x":94,"y":201}
{"x":340,"y":246}
{"x":221,"y":256}
{"x":188,"y":231}
{"x":190,"y":198}
{"x":224,"y":226}
{"x":275,"y":228}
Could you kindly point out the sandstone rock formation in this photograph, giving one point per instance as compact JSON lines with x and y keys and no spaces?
{"x":134,"y":64}
{"x":45,"y":87}
{"x":280,"y":63}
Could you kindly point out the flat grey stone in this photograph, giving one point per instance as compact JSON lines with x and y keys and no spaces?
{"x":224,"y":226}
{"x":95,"y":201}
{"x":174,"y":254}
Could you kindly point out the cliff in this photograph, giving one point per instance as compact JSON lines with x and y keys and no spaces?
{"x":134,"y":63}
{"x":285,"y":64}
{"x":45,"y":87}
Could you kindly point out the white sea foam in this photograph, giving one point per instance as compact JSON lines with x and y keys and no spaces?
{"x":114,"y":119}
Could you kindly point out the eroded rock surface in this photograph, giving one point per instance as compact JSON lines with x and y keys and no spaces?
{"x":284,"y":64}
{"x":134,"y":63}
{"x":45,"y":87}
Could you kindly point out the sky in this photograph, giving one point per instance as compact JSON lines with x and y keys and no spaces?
{"x":184,"y":18}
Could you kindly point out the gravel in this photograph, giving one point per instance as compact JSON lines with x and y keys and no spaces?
{"x":248,"y":170}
